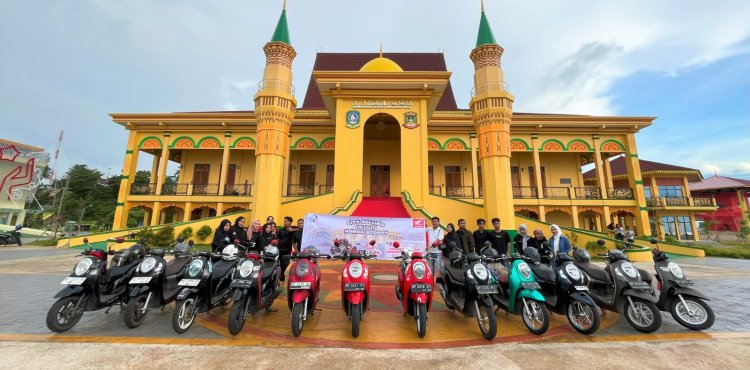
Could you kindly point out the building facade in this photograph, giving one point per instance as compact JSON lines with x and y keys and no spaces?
{"x":21,"y":167}
{"x":385,"y":125}
{"x":732,"y":199}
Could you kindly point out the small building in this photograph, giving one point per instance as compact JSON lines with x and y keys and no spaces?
{"x":731,"y":197}
{"x":21,"y":167}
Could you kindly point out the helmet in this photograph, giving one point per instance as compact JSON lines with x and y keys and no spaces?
{"x":271,"y":251}
{"x":136,"y":249}
{"x":581,"y":255}
{"x":181,"y":248}
{"x":123,"y":257}
{"x":617,"y":255}
{"x":456,"y":257}
{"x":490,"y":253}
{"x":19,"y":227}
{"x":230,"y":251}
{"x":562,"y":257}
{"x":532,"y":253}
{"x":472,"y":257}
{"x":310,"y":250}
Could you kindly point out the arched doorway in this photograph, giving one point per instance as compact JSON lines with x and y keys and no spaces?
{"x":527,"y":213}
{"x":202,"y":212}
{"x":590,"y":220}
{"x":559,"y":217}
{"x":381,"y":175}
{"x":139,"y":216}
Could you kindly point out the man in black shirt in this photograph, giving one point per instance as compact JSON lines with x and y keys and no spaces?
{"x":481,"y":235}
{"x":500,"y":238}
{"x":297,"y":239}
{"x":465,"y":238}
{"x":286,"y":234}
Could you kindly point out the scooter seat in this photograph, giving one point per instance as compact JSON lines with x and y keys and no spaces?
{"x":593,"y":271}
{"x":176,"y":265}
{"x":457,"y":274}
{"x":221,"y":268}
{"x":543,"y":272}
{"x":119,"y":271}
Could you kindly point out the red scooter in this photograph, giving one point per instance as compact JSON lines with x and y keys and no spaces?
{"x":355,"y":283}
{"x":415,"y":279}
{"x":303,"y":286}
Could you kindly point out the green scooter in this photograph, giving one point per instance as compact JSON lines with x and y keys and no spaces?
{"x":518,"y":290}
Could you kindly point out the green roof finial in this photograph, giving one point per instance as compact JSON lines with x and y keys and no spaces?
{"x":281,"y":33}
{"x":485,"y":36}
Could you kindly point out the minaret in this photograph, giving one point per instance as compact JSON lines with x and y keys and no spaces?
{"x":492,"y":110}
{"x":274,"y":111}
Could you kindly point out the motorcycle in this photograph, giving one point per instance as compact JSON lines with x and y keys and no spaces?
{"x":154,"y":282}
{"x":466,"y":285}
{"x":355,"y":283}
{"x":621,"y":288}
{"x":303,"y":286}
{"x":255,"y":285}
{"x":685,"y":304}
{"x":415,"y":286}
{"x":92,"y":285}
{"x":565,"y":291}
{"x":204,"y":285}
{"x":519,"y":292}
{"x":12,"y":237}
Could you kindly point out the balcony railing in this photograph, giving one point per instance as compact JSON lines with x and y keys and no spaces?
{"x":525,"y":192}
{"x":668,"y":202}
{"x":459,"y":191}
{"x":556,"y":192}
{"x":620,"y":193}
{"x":276,"y":85}
{"x":238,"y":189}
{"x":142,"y":189}
{"x":300,"y":190}
{"x":206,"y":189}
{"x":588,"y":192}
{"x":436,"y":189}
{"x":174,"y":189}
{"x":489,"y":86}
{"x":704,"y":202}
{"x":325,"y":189}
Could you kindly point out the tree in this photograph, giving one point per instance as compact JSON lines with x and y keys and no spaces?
{"x":142,"y":178}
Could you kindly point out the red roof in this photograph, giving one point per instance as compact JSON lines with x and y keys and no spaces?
{"x":720,"y":182}
{"x":619,"y":167}
{"x":355,"y":61}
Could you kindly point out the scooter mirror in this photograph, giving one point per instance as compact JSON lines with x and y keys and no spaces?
{"x":119,"y":240}
{"x":600,"y":242}
{"x":396,"y":244}
{"x":654,"y":241}
{"x":372,"y":242}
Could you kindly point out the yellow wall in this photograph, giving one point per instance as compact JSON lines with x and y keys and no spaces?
{"x":320,"y":158}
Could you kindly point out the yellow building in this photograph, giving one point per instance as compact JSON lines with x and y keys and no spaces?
{"x":385,"y":125}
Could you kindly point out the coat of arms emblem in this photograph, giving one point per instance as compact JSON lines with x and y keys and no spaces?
{"x":410,"y":120}
{"x":352,"y":119}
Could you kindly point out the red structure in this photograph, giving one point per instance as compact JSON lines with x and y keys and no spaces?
{"x":731,"y":197}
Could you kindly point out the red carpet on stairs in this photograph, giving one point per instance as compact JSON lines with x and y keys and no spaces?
{"x":381,"y":207}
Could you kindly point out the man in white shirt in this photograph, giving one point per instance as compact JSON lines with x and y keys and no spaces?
{"x":434,"y":239}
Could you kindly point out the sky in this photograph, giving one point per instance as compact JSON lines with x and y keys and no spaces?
{"x":64,"y":64}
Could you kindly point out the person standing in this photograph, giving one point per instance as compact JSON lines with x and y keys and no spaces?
{"x":558,"y":243}
{"x":540,"y":242}
{"x":286,"y":234}
{"x":265,"y":237}
{"x":465,"y":237}
{"x":500,"y":238}
{"x":297,"y":239}
{"x":629,"y":236}
{"x":239,"y":232}
{"x":619,"y":233}
{"x":451,"y":238}
{"x":253,"y":231}
{"x":434,"y":240}
{"x":481,"y":235}
{"x":222,"y":235}
{"x":522,"y":239}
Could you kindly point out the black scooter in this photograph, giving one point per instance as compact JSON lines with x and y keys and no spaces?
{"x":255,"y":285}
{"x":621,"y":288}
{"x":93,"y":286}
{"x":154,"y":282}
{"x":686,"y":304}
{"x":12,"y":237}
{"x":466,"y":286}
{"x":565,"y":291}
{"x":204,"y":285}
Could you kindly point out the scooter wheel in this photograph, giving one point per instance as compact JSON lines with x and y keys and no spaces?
{"x":134,"y":314}
{"x":356,"y":313}
{"x":642,"y":315}
{"x":582,"y":317}
{"x":421,"y":319}
{"x":60,"y":317}
{"x":298,"y":320}
{"x":487,"y":321}
{"x":536,"y":318}
{"x":236,"y":319}
{"x":694,"y":314}
{"x":184,"y":315}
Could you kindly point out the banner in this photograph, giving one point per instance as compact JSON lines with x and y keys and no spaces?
{"x":321,"y":230}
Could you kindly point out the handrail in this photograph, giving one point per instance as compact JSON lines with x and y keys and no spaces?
{"x":485,"y":86}
{"x":349,"y":204}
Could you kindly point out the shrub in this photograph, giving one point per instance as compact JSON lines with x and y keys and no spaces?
{"x":595,"y":248}
{"x":163,"y":237}
{"x":204,"y":232}
{"x":670,"y":239}
{"x":145,"y":233}
{"x":186,"y":233}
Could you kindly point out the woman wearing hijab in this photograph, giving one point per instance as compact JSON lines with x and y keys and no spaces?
{"x":222,"y":235}
{"x":265,"y":237}
{"x":558,"y":243}
{"x":239,"y":232}
{"x":253,"y":231}
{"x":450,"y":236}
{"x":522,"y":239}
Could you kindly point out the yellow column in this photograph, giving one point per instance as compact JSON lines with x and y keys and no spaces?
{"x":285,"y":170}
{"x":224,"y":163}
{"x":348,"y":158}
{"x":743,"y":204}
{"x":600,"y":181}
{"x":154,"y":170}
{"x":608,"y":173}
{"x":128,"y":174}
{"x":686,"y":191}
{"x":696,"y":234}
{"x":635,"y":181}
{"x":474,"y":171}
{"x":220,"y":209}
{"x":163,"y":160}
{"x":542,"y":215}
{"x":574,"y":211}
{"x":156,"y":214}
{"x":599,"y":226}
{"x":537,"y":166}
{"x":188,"y":211}
{"x":607,"y":217}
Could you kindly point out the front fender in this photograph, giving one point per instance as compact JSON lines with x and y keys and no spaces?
{"x":299,"y":296}
{"x":636,"y":294}
{"x":238,"y":294}
{"x":531,"y":294}
{"x":419,"y":297}
{"x":355,"y":297}
{"x":690,"y":292}
{"x":186,"y":292}
{"x":583,"y":298}
{"x":70,"y":291}
{"x":485,"y":299}
{"x":138,"y":290}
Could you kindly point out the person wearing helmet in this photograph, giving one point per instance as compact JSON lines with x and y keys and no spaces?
{"x":222,"y":235}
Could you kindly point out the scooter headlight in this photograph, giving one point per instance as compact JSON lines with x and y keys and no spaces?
{"x":525,"y":270}
{"x":355,"y":270}
{"x":195,"y":268}
{"x":147,"y":265}
{"x":676,"y":270}
{"x":481,"y":272}
{"x":573,"y":271}
{"x":82,"y":266}
{"x":303,"y":268}
{"x":419,"y":270}
{"x":246,"y":268}
{"x":629,"y":269}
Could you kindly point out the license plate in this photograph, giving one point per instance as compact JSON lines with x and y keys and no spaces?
{"x":73,"y":280}
{"x":582,"y":288}
{"x":531,"y":285}
{"x":189,"y":282}
{"x":140,"y":280}
{"x":639,"y":284}
{"x":486,"y":289}
{"x":421,"y":288}
{"x":300,"y":285}
{"x":241,"y":283}
{"x":353,"y":287}
{"x":684,"y":282}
